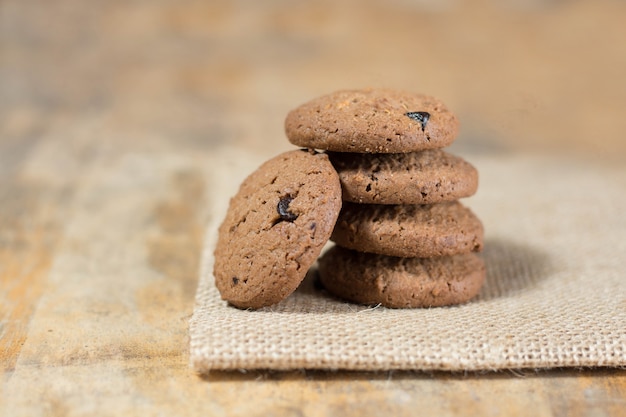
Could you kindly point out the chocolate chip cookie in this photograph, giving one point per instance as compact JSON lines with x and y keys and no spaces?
{"x":275,"y":228}
{"x":401,"y":282}
{"x":425,"y":177}
{"x":409,"y":230}
{"x":372,"y":121}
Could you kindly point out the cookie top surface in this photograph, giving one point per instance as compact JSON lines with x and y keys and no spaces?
{"x":425,"y":177}
{"x":409,"y":230}
{"x":401,"y":282}
{"x":372,"y":121}
{"x":275,"y":228}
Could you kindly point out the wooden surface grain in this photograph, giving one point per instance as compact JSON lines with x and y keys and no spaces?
{"x":109,"y":111}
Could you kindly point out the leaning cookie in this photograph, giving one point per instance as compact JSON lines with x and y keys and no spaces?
{"x":275,"y":228}
{"x":372,"y":121}
{"x":425,"y":177}
{"x":401,"y":282}
{"x":409,"y":230}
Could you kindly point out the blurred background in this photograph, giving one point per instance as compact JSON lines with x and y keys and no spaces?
{"x":544,"y":75}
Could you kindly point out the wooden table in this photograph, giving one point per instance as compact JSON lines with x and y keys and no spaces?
{"x":109,"y":111}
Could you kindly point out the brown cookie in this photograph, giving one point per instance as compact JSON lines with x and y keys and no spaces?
{"x":425,"y":177}
{"x":372,"y":121}
{"x":275,"y":228}
{"x":409,"y":230}
{"x":401,"y":282}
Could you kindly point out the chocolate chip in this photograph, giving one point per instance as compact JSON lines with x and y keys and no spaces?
{"x":235,"y":280}
{"x":283,"y":209}
{"x":419,"y":116}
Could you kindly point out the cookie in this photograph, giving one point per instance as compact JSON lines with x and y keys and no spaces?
{"x":409,"y":230}
{"x":275,"y":228}
{"x":372,"y":121}
{"x":425,"y":177}
{"x":401,"y":282}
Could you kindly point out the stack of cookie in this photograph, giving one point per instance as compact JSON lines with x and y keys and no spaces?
{"x":402,"y":238}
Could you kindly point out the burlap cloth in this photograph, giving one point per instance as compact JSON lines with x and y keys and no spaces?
{"x":555,"y":294}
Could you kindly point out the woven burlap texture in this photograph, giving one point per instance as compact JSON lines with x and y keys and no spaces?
{"x":555,"y":294}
